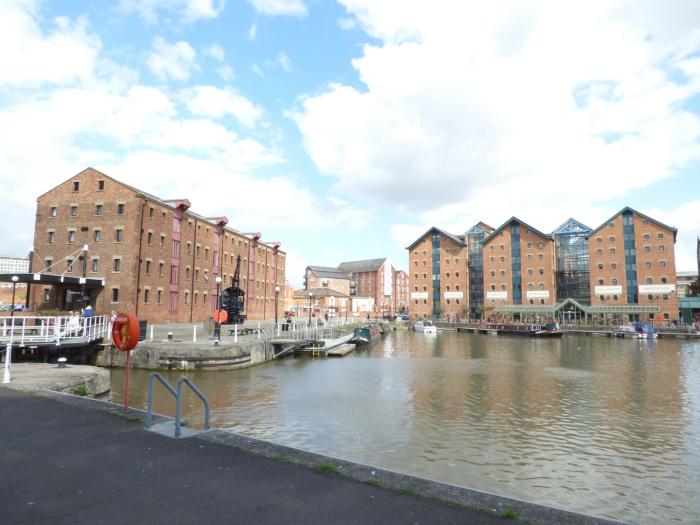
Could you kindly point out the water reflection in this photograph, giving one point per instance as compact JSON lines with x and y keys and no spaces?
{"x":609,"y":427}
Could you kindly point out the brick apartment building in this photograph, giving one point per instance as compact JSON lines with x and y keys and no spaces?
{"x":401,"y":291}
{"x":373,"y":278}
{"x":623,"y":270}
{"x":328,"y":277}
{"x":156,"y":258}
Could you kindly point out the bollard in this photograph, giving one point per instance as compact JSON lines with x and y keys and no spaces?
{"x":62,"y":362}
{"x":235,"y":333}
{"x":8,"y":360}
{"x":151,"y":332}
{"x":258,"y":329}
{"x":170,"y":337}
{"x":194,"y":333}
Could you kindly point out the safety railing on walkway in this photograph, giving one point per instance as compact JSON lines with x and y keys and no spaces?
{"x":41,"y":330}
{"x":178,"y":395}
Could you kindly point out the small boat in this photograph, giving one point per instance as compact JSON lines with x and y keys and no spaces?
{"x":548,"y":330}
{"x":427,"y":327}
{"x":365,"y":334}
{"x":636,"y":330}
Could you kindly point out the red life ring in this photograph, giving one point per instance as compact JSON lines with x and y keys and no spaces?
{"x":220,"y":316}
{"x":125,"y":332}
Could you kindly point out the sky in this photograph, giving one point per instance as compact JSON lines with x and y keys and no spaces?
{"x":346,"y":129}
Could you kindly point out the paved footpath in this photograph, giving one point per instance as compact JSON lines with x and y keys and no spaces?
{"x":67,"y":464}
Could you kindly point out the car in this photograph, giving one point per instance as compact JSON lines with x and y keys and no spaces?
{"x":404,"y":316}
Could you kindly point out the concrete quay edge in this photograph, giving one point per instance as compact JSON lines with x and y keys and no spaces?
{"x":532,"y":513}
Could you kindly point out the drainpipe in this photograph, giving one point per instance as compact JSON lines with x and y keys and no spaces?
{"x":265,"y":298}
{"x":138,"y":267}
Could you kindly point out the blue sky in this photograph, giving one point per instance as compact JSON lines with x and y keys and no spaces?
{"x":345,"y":129}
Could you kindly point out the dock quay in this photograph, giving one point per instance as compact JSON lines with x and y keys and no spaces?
{"x":210,"y":477}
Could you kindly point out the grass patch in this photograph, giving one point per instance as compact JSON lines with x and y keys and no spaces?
{"x":373,"y":482}
{"x":407,"y":491}
{"x":509,"y":514}
{"x":80,"y":390}
{"x":329,"y":468}
{"x":286,"y":459}
{"x":127,"y":416}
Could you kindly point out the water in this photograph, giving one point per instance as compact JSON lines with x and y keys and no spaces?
{"x":605,"y":426}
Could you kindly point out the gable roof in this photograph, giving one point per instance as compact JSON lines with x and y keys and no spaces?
{"x":482,"y":225}
{"x":368,"y":265}
{"x":327,"y":272}
{"x":643,"y":216}
{"x":459,"y":239}
{"x":514,"y":219}
{"x":571,"y":225}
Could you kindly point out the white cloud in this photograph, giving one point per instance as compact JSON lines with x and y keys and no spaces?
{"x":280,"y":7}
{"x":284,"y":61}
{"x":226,"y":73}
{"x":210,"y":101}
{"x":176,"y":61}
{"x":257,"y":70}
{"x":189,"y":10}
{"x":216,"y":52}
{"x":253,"y":32}
{"x":30,"y":56}
{"x":346,"y":23}
{"x":482,"y":106}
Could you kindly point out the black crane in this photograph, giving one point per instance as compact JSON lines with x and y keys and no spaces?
{"x":232,"y":298}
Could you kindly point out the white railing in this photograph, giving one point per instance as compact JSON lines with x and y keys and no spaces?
{"x":25,"y":331}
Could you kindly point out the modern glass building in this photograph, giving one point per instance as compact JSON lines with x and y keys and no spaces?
{"x":572,"y":262}
{"x":476,"y":267}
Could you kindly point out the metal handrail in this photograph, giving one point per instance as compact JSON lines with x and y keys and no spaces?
{"x":149,"y":406}
{"x":178,"y":404}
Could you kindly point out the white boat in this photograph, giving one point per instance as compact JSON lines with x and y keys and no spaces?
{"x":426,"y":327}
{"x":636,"y":331}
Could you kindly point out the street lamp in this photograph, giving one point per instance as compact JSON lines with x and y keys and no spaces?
{"x":311,"y":294}
{"x":277,"y":294}
{"x":217,"y":321}
{"x":14,"y":284}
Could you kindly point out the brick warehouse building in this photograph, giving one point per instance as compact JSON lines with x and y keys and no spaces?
{"x":157,"y":259}
{"x":623,"y":270}
{"x":373,"y":278}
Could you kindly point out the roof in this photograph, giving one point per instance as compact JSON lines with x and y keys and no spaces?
{"x":169,"y":203}
{"x":595,"y":309}
{"x":480,"y":226}
{"x":319,"y":292}
{"x":631,"y":210}
{"x":327,"y":272}
{"x":368,"y":265}
{"x":514,"y":219}
{"x":457,"y":238}
{"x":571,"y":226}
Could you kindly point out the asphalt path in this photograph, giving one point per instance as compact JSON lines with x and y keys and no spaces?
{"x":67,"y":464}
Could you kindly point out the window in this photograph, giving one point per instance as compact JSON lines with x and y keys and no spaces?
{"x":530,"y":286}
{"x":149,"y":238}
{"x":51,"y":237}
{"x":502,"y":258}
{"x":189,"y":250}
{"x":97,"y":235}
{"x":650,"y":297}
{"x":646,"y":236}
{"x":598,"y":239}
{"x":53,"y":211}
{"x":98,"y":209}
{"x":649,"y":280}
{"x":540,"y":256}
{"x":611,"y":238}
{"x":503,"y":273}
{"x":645,"y":221}
{"x":611,"y":225}
{"x":115,"y":295}
{"x":120,"y":209}
{"x":174,"y":274}
{"x":118,"y":235}
{"x":206,"y":253}
{"x":647,"y":248}
{"x":159,"y":296}
{"x":662,"y":248}
{"x":76,"y":186}
{"x":600,"y":266}
{"x":492,"y":259}
{"x":69,"y":265}
{"x":73,"y":211}
{"x":613,"y":251}
{"x":456,"y":274}
{"x":163,"y":216}
{"x":660,"y":235}
{"x":196,"y":250}
{"x":71,"y":236}
{"x":664,"y":280}
{"x":662,"y":264}
{"x":493,"y":273}
{"x":162,"y":240}
{"x":95,"y":265}
{"x":613,"y":281}
{"x":148,"y":266}
{"x":187,"y":297}
{"x":100,"y":185}
{"x":150,"y":212}
{"x":117,"y":265}
{"x":600,"y":282}
{"x":146,"y":294}
{"x":615,"y":297}
{"x":161,"y":265}
{"x":541,"y":271}
{"x":503,"y":287}
{"x":613,"y":266}
{"x":529,"y":256}
{"x":540,"y":244}
{"x":529,"y":271}
{"x":599,"y":252}
{"x":647,"y":264}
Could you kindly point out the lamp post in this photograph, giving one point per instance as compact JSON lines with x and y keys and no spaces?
{"x":14,"y":284}
{"x":311,"y":294}
{"x":217,"y":321}
{"x":277,"y":295}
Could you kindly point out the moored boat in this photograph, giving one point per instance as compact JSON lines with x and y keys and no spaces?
{"x":426,"y":327}
{"x":636,"y":330}
{"x":365,"y":334}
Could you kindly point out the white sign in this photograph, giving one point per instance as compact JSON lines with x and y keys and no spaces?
{"x":497,"y":295}
{"x":537,"y":294}
{"x":419,"y":295}
{"x":608,"y":290}
{"x":657,"y":288}
{"x":454,"y":295}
